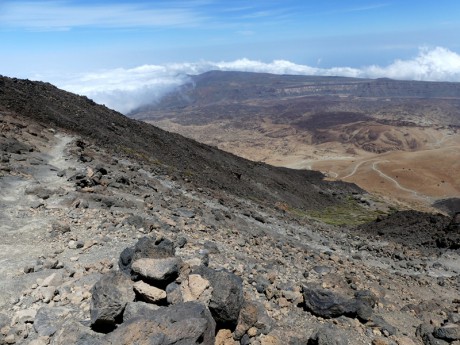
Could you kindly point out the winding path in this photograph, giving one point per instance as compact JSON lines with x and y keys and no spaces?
{"x":397,"y":184}
{"x":375,"y":168}
{"x":356,"y":168}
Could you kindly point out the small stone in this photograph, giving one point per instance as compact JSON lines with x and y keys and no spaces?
{"x":269,"y":340}
{"x":174,"y":294}
{"x":449,"y":332}
{"x":380,"y":341}
{"x":404,"y":341}
{"x":149,"y":293}
{"x":224,"y":337}
{"x":252,"y":332}
{"x":196,"y":288}
{"x":328,"y":335}
{"x":25,"y":315}
{"x":40,"y":341}
{"x":164,"y":269}
{"x":283,"y":302}
{"x":9,"y":339}
{"x":29,"y":269}
{"x":51,"y":280}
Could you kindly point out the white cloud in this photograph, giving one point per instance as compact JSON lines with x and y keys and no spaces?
{"x":125,"y":89}
{"x":60,"y":15}
{"x":438,"y":64}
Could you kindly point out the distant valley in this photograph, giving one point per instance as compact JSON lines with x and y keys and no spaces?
{"x":398,"y":139}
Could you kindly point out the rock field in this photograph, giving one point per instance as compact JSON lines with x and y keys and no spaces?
{"x":99,"y":247}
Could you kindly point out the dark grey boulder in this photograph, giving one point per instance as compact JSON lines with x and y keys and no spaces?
{"x":125,"y":260}
{"x":109,"y":297}
{"x":73,"y":332}
{"x":158,"y":271}
{"x":327,"y":335}
{"x":448,"y":332}
{"x":227,"y":295}
{"x":139,"y":309}
{"x":153,"y":248}
{"x":181,"y":324}
{"x":425,"y":332}
{"x":328,"y":304}
{"x":145,"y":247}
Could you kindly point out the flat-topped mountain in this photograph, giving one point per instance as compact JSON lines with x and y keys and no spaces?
{"x":220,"y":86}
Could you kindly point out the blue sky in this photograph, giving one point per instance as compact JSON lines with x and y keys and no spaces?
{"x":67,"y":41}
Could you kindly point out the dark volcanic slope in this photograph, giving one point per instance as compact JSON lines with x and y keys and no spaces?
{"x":182,"y":158}
{"x":414,"y":229}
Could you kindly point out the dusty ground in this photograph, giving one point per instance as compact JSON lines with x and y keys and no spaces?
{"x":70,"y":205}
{"x":255,"y":242}
{"x":415,"y":177}
{"x":411,"y":177}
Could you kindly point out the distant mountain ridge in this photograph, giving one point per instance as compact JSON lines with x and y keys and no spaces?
{"x":218,"y":86}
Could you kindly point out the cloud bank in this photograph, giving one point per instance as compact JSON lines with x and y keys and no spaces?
{"x":126,"y":89}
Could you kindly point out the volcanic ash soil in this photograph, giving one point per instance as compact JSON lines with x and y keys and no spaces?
{"x":101,"y":249}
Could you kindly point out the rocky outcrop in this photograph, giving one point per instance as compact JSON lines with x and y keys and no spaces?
{"x":439,"y":335}
{"x":109,"y":298}
{"x":66,"y":243}
{"x":226,"y":297}
{"x":187,"y":324}
{"x":327,"y":304}
{"x":191,"y":322}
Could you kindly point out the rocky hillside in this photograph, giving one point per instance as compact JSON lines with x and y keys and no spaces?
{"x":105,"y":245}
{"x":184,"y":159}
